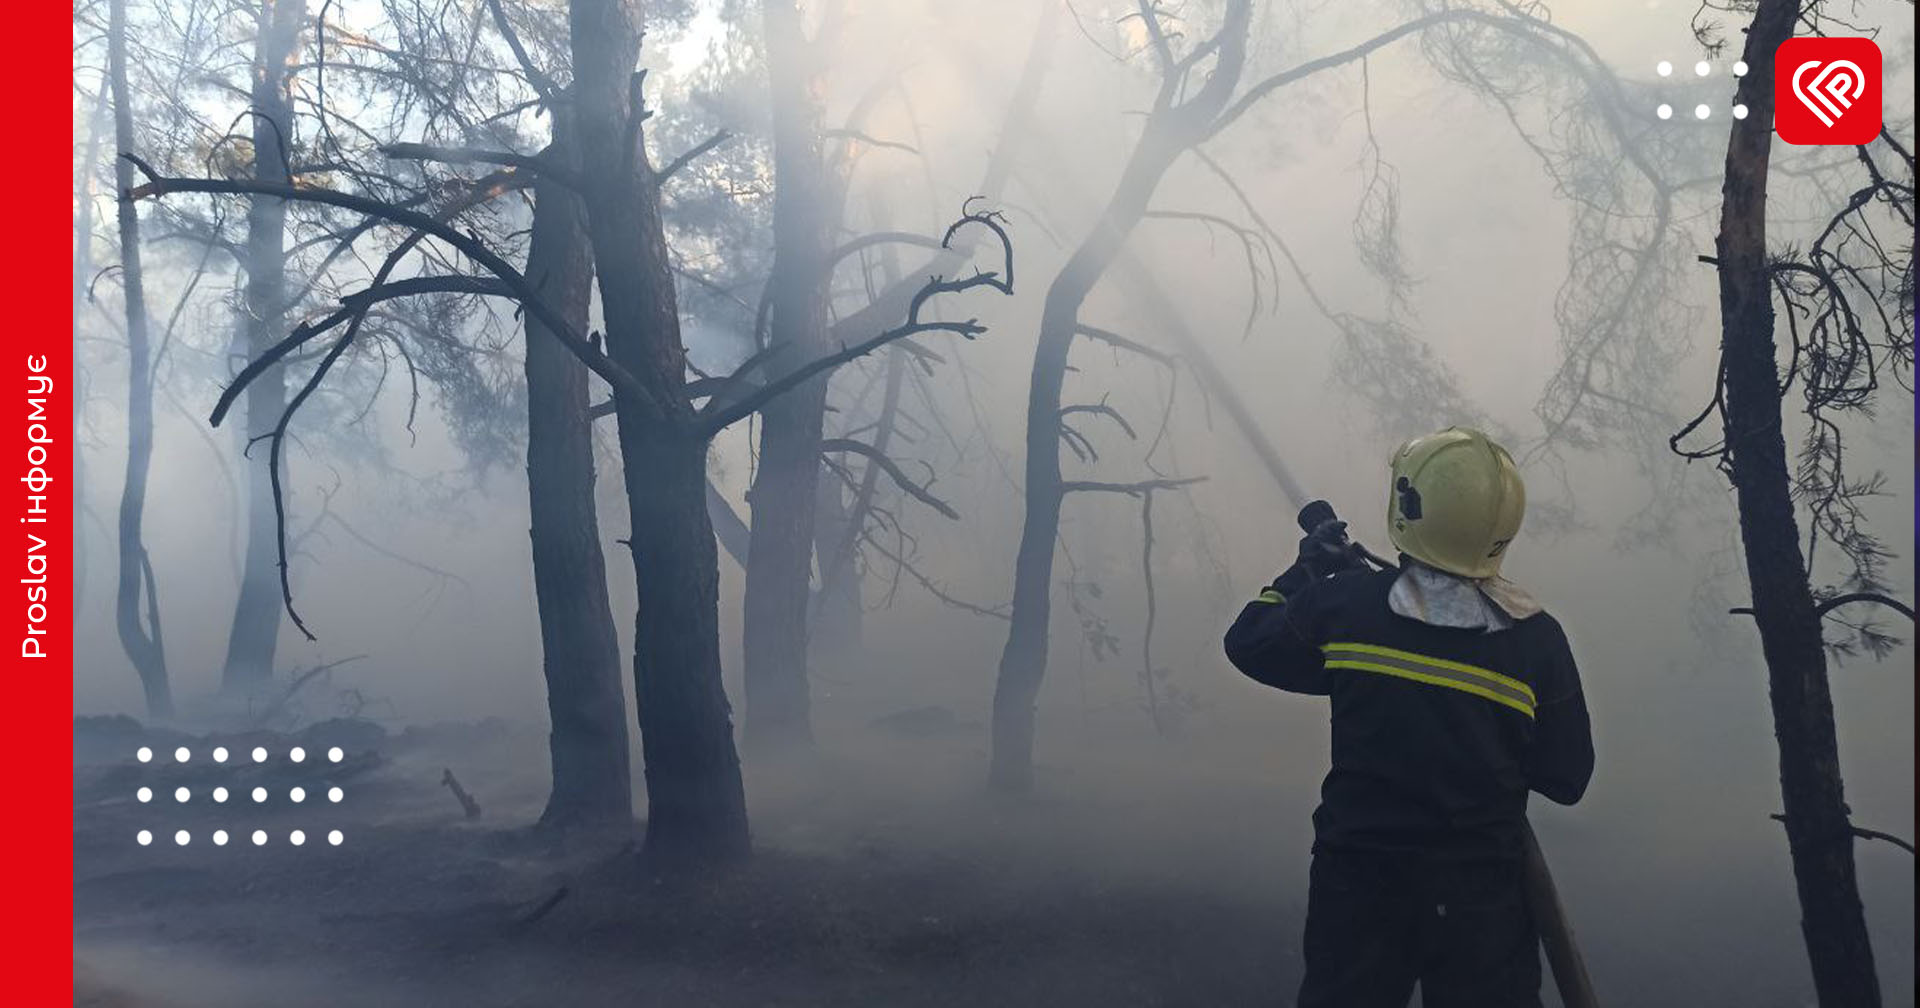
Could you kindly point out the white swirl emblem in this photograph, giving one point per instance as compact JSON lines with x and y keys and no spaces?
{"x":1832,"y":90}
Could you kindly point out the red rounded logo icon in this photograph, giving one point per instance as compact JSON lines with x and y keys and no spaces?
{"x":1827,"y":90}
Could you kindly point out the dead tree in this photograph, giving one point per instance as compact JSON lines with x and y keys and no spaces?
{"x":140,"y":632}
{"x":839,"y":541}
{"x":255,"y":630}
{"x":1834,"y":362}
{"x":697,"y":810}
{"x":1177,"y":121}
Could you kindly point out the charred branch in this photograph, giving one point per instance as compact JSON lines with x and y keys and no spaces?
{"x":716,"y":420}
{"x":918,"y":491}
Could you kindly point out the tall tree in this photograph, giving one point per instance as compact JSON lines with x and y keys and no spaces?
{"x":255,"y":630}
{"x":140,"y":633}
{"x":1841,"y":361}
{"x":697,"y":807}
{"x":1177,"y":121}
{"x":580,"y":650}
{"x":847,"y":524}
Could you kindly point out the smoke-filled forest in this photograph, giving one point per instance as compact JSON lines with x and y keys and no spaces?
{"x":737,"y":502}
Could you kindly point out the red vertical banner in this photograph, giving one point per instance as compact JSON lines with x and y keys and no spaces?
{"x":36,"y":374}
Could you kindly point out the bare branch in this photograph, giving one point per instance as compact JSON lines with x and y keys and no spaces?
{"x":615,"y":375}
{"x":917,"y":491}
{"x":549,"y":90}
{"x":1863,"y":833}
{"x":693,"y":154}
{"x":1102,"y":409}
{"x":1118,"y":341}
{"x":716,"y":420}
{"x":476,"y":155}
{"x":932,"y":589}
{"x":1130,"y":489}
{"x":856,"y":135}
{"x":1839,"y":600}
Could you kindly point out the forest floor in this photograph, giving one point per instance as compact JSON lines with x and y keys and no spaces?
{"x":886,"y":878}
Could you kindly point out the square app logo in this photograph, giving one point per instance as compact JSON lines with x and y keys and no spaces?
{"x":1827,"y":90}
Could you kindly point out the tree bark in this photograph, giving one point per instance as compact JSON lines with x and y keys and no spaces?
{"x":1819,"y":834}
{"x":139,"y":636}
{"x":1169,"y":130}
{"x":580,"y":649}
{"x":696,"y":801}
{"x":784,"y":497}
{"x":255,"y":632}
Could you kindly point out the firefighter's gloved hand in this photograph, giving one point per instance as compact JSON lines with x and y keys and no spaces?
{"x":1323,"y":553}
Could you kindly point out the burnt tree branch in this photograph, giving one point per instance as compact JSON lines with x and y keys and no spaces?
{"x":917,"y":491}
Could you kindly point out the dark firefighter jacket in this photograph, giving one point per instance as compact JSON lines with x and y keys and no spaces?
{"x":1438,"y":732}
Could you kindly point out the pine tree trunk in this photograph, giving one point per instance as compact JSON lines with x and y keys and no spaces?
{"x":139,"y":633}
{"x":580,"y":649}
{"x":784,"y":494}
{"x":696,"y":801}
{"x":1819,"y":834}
{"x":255,"y":632}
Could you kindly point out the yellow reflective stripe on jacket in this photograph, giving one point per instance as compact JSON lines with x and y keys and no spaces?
{"x":1271,"y":597}
{"x":1503,"y":690}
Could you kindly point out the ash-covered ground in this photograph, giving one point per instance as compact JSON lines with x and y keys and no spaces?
{"x":1169,"y":873}
{"x":909,"y":897}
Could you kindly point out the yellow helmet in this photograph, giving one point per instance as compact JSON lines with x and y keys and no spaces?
{"x":1455,"y":501}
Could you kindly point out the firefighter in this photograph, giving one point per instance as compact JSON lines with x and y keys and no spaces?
{"x":1453,"y":695}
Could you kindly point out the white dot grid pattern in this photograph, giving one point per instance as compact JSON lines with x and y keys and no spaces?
{"x":220,"y":837}
{"x":1703,"y":68}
